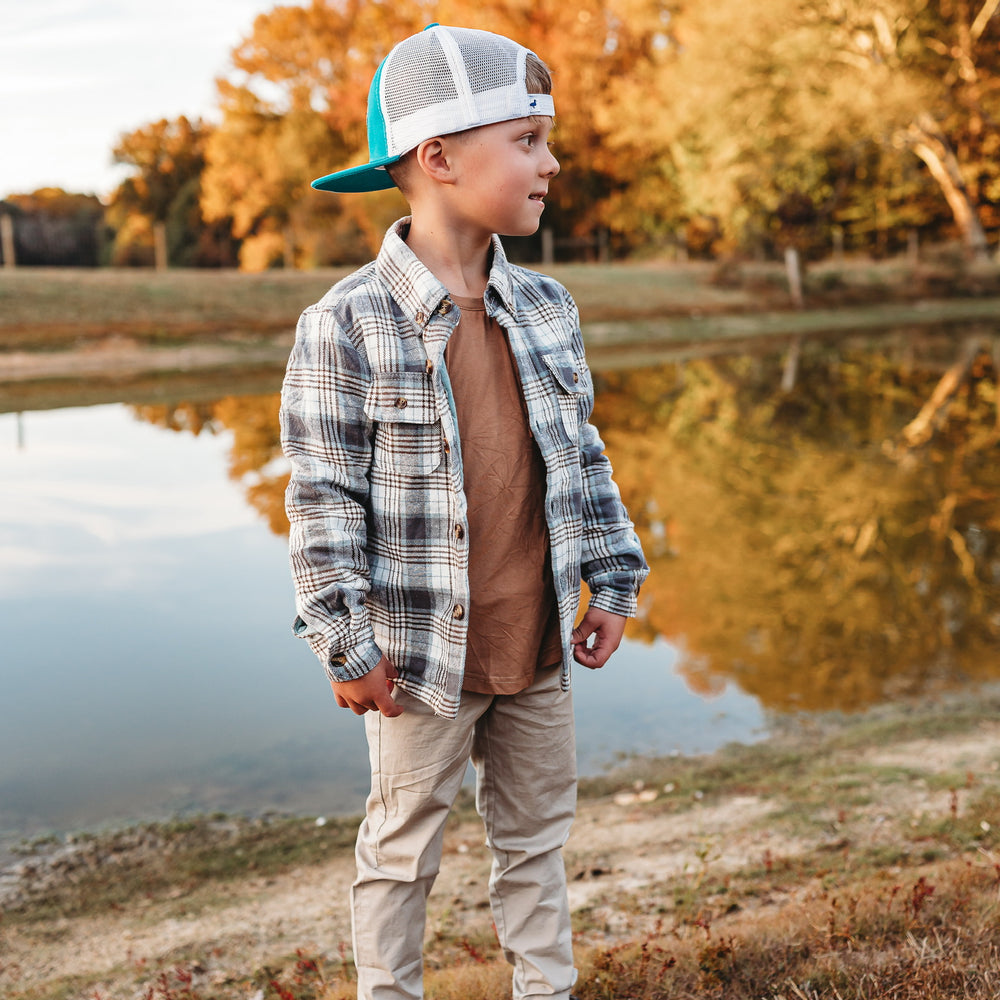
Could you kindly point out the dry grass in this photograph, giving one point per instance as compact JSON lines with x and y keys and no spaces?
{"x":48,"y":306}
{"x":903,"y":935}
{"x":64,"y":298}
{"x":926,"y":936}
{"x":51,"y":308}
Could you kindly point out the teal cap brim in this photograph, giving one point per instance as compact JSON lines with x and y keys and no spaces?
{"x":368,"y":177}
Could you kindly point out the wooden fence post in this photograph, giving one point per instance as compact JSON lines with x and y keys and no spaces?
{"x":680,"y":246}
{"x":603,"y":246}
{"x":548,"y":246}
{"x":160,"y":245}
{"x":794,"y":269}
{"x":7,"y":240}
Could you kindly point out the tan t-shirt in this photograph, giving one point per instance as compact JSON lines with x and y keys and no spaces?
{"x":513,"y":618}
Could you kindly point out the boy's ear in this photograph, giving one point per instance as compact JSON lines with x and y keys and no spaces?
{"x":434,"y":158}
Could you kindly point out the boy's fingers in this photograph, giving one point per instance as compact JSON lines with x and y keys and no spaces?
{"x":391,"y":673}
{"x":588,"y":657}
{"x":382,"y":699}
{"x":370,"y":693}
{"x":606,"y":630}
{"x":388,"y":707}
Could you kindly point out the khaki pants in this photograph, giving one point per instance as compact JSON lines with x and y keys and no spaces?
{"x":524,"y":753}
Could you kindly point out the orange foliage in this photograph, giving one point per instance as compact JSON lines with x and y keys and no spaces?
{"x":297,"y":108}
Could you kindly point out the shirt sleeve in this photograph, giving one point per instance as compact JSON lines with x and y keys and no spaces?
{"x":612,"y":562}
{"x":326,"y":438}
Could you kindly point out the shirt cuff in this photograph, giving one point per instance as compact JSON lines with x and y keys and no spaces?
{"x":615,"y":601}
{"x":353,"y":663}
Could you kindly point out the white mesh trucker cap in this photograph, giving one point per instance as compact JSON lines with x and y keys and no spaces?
{"x":439,"y":81}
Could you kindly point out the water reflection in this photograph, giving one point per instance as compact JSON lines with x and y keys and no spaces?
{"x":255,"y":458}
{"x":823,"y":545}
{"x":147,"y":662}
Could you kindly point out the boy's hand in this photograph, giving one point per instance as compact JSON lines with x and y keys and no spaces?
{"x":371,"y":693}
{"x":607,"y":629}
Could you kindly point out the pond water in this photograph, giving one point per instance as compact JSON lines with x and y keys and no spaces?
{"x":822,"y":526}
{"x":148,"y":665}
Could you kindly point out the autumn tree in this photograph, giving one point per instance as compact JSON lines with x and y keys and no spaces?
{"x":296,"y":102}
{"x":295,"y":108}
{"x":608,"y":59}
{"x":947,"y":56}
{"x":158,"y":207}
{"x":770,"y":97}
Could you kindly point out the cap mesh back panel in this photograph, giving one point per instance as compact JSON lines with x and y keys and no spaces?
{"x":417,"y":77}
{"x":489,"y":65}
{"x":435,"y":85}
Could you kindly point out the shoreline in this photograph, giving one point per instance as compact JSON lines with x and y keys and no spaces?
{"x":662,"y":838}
{"x":100,"y":367}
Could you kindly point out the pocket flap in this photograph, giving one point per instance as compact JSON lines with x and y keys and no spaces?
{"x":567,"y":372}
{"x":401,"y":398}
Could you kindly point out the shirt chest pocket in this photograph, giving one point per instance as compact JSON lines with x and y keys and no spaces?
{"x":406,"y":424}
{"x":571,"y":390}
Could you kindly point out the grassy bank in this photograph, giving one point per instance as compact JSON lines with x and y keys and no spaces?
{"x":842,"y":858}
{"x":42,"y":308}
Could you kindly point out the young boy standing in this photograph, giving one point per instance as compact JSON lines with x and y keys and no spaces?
{"x":447,"y":497}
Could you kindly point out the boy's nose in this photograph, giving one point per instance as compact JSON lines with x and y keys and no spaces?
{"x":551,"y":168}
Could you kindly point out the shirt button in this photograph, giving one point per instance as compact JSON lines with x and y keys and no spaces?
{"x":576,"y":376}
{"x":420,"y":317}
{"x":458,"y":612}
{"x":401,"y":403}
{"x":447,"y":448}
{"x":445,"y":307}
{"x":459,"y":532}
{"x":429,"y":367}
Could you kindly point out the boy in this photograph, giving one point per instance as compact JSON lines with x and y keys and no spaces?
{"x":447,"y":496}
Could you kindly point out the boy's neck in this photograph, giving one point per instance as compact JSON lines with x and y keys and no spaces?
{"x":458,"y":258}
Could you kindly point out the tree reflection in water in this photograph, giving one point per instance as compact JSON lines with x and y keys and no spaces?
{"x":255,"y":459}
{"x":816,"y":547}
{"x":798,"y":546}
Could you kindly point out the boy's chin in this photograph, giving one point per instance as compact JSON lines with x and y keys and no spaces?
{"x":526,"y":230}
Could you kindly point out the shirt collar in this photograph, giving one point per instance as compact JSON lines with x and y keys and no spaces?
{"x":419,"y":293}
{"x":501,"y":281}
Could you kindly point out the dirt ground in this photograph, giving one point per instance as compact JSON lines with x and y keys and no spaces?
{"x":628,"y":854}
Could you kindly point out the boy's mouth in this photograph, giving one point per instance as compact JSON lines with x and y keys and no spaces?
{"x":537,"y":196}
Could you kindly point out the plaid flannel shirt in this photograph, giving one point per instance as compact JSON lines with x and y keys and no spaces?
{"x":378,"y":543}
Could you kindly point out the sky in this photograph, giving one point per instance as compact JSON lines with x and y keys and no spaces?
{"x":77,"y":74}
